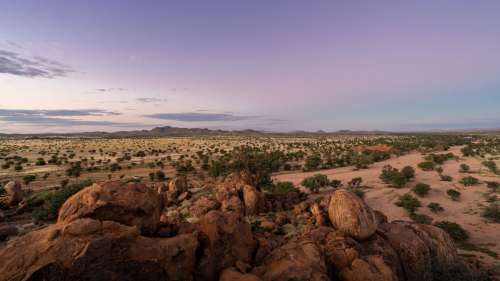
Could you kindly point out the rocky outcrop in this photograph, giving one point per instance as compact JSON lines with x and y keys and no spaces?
{"x":296,"y":260}
{"x":350,"y":215}
{"x":226,"y":239}
{"x":130,"y":204}
{"x":88,"y":249}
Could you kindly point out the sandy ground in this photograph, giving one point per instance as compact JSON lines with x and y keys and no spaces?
{"x":465,"y":212}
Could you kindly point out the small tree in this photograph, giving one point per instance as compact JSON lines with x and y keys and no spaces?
{"x":435,"y":207}
{"x":408,"y":172}
{"x":464,"y":168}
{"x":409,"y":203}
{"x":355,"y":182}
{"x":427,"y":165}
{"x":421,"y":189}
{"x":469,"y":181}
{"x":314,"y":183}
{"x":454,"y":194}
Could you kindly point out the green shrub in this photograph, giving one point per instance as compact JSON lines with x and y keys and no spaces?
{"x":281,"y":187}
{"x":335,"y":183}
{"x":421,"y":189}
{"x":420,"y":218}
{"x":493,"y":185}
{"x":408,"y":172}
{"x":393,"y":176}
{"x":409,"y":203}
{"x":491,"y":165}
{"x":464,"y":168}
{"x":54,"y":200}
{"x":314,"y":183}
{"x":40,"y":162}
{"x":454,"y":194}
{"x":454,"y":230}
{"x":446,"y":178}
{"x":435,"y":207}
{"x":492,"y":212}
{"x":355,"y":182}
{"x":312,"y":162}
{"x":427,"y":165}
{"x":469,"y":181}
{"x":29,"y":178}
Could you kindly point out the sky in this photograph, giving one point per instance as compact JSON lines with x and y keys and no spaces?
{"x":274,"y":65}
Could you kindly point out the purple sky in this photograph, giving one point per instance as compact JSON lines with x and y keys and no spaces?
{"x":271,"y":65}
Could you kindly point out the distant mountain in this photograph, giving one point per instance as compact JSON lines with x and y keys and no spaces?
{"x":168,"y":131}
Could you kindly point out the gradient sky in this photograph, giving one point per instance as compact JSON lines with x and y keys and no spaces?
{"x":70,"y":66}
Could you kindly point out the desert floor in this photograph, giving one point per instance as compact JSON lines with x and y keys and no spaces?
{"x":465,"y":212}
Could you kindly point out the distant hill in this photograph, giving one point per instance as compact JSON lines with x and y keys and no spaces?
{"x":169,"y":131}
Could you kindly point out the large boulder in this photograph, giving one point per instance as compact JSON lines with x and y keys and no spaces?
{"x":13,"y":193}
{"x":253,"y":199}
{"x":88,"y":249}
{"x":130,"y":204}
{"x":413,"y":252}
{"x":296,"y":260}
{"x":350,"y":215}
{"x":422,"y":249}
{"x":226,"y":239}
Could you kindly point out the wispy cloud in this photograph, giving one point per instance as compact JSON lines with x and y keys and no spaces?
{"x":199,"y":117}
{"x":57,"y":117}
{"x":109,"y":90}
{"x":16,"y":64}
{"x":151,"y":100}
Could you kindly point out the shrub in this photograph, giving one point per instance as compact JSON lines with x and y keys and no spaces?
{"x":464,"y":168}
{"x":335,"y":183}
{"x":491,"y":165}
{"x":493,"y":185}
{"x":427,"y":165}
{"x":492,"y":212}
{"x":312,"y":162}
{"x":459,"y":271}
{"x":281,"y":187}
{"x":421,"y":218}
{"x":469,"y":181}
{"x":408,"y":172}
{"x":454,"y":194}
{"x":409,"y":203}
{"x":54,"y":200}
{"x":393,"y":176}
{"x":314,"y":183}
{"x":358,"y":191}
{"x":160,"y":175}
{"x":421,"y":189}
{"x":454,"y":230}
{"x":40,"y":162}
{"x":435,"y":207}
{"x":446,"y":178}
{"x":355,"y":182}
{"x":28,"y":178}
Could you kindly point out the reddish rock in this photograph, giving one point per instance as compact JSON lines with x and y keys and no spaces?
{"x":131,"y":204}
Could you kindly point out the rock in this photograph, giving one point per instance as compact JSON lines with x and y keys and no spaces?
{"x":13,"y":193}
{"x":178,"y":185}
{"x":87,"y":249}
{"x":160,"y":187}
{"x":372,"y":268}
{"x":7,"y":231}
{"x":350,"y":215}
{"x":268,"y":225}
{"x":318,"y":214}
{"x":233,"y":204}
{"x":183,"y":196}
{"x":233,"y":275}
{"x":378,"y":246}
{"x":296,"y":260}
{"x":131,"y":204}
{"x":253,"y":200}
{"x":226,"y":238}
{"x":203,"y":206}
{"x":413,"y":253}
